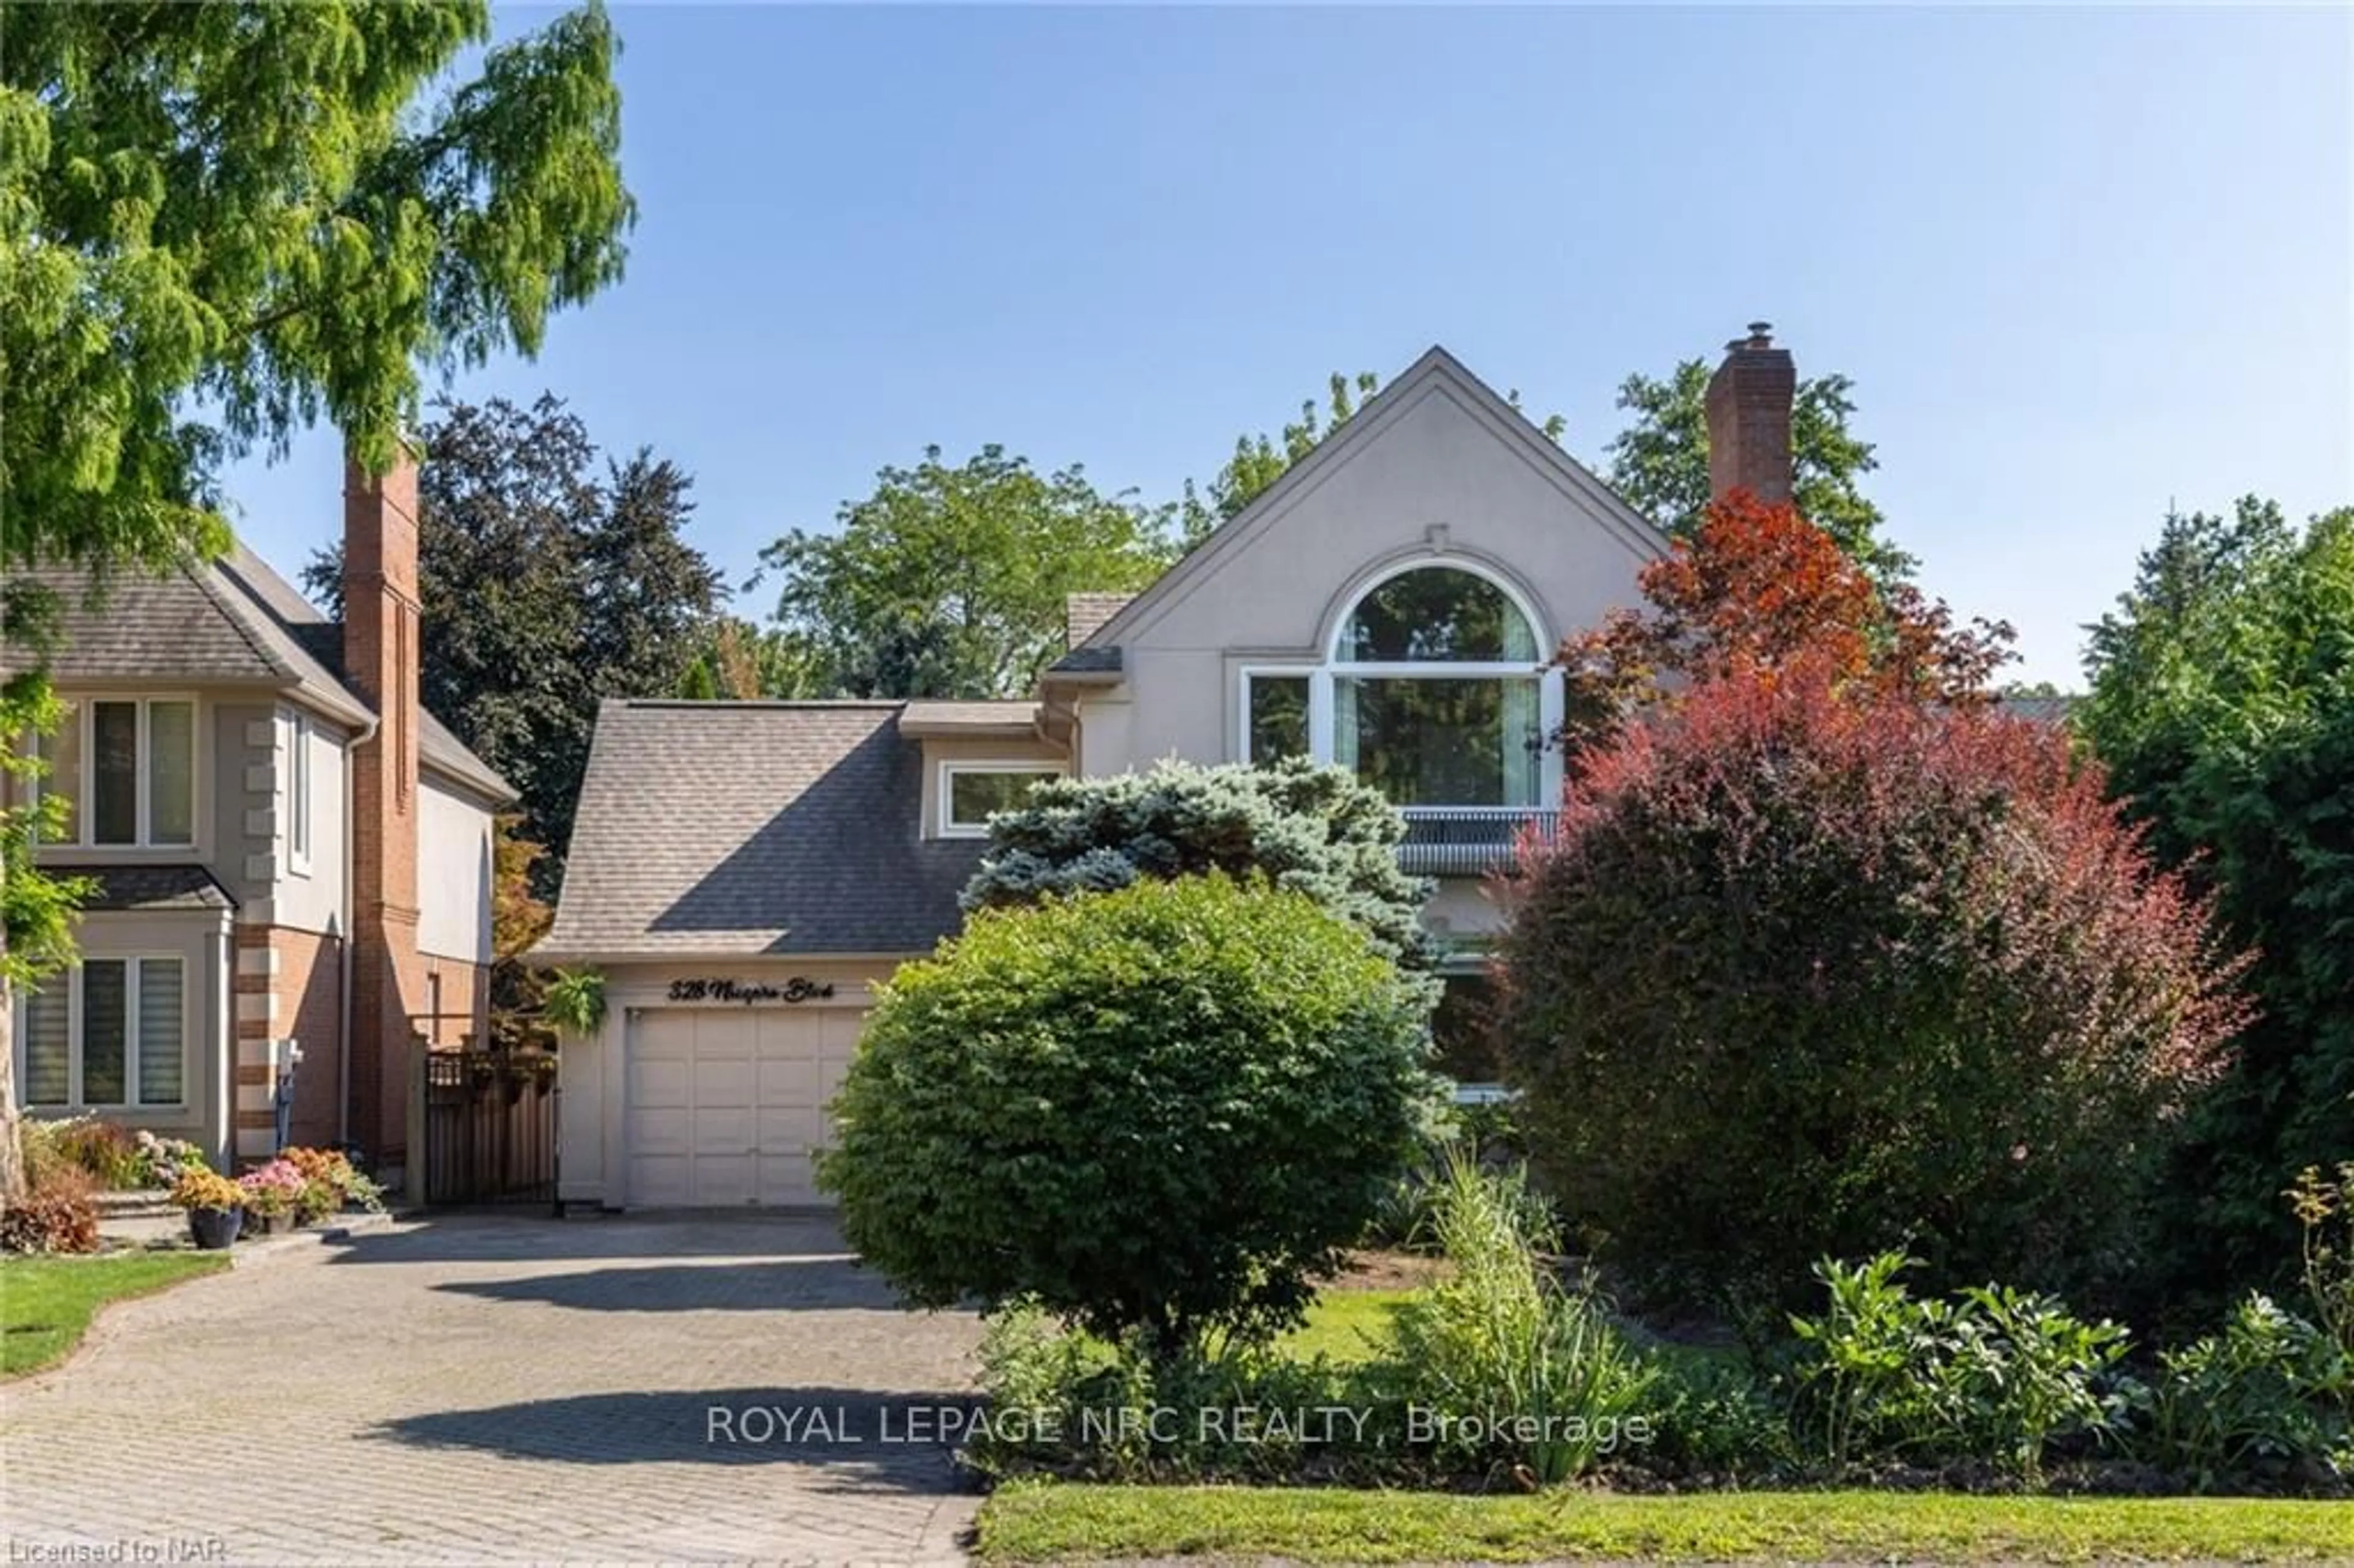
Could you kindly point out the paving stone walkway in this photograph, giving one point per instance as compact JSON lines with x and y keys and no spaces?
{"x":502,"y":1389}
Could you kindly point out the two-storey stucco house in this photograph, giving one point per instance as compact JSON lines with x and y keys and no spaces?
{"x":744,"y":873}
{"x":291,"y":857}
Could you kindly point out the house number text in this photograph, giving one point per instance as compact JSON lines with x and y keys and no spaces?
{"x":800,"y":988}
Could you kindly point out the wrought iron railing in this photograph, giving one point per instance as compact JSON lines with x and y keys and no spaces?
{"x":1467,"y":841}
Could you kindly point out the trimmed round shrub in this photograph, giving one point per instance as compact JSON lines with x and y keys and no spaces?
{"x":1164,"y":1108}
{"x":1803,"y":977}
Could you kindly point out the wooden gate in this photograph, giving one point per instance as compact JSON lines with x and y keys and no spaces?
{"x":490,"y":1127}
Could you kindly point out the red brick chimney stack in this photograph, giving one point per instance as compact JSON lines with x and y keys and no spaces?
{"x":380,"y":654}
{"x":1749,"y":400}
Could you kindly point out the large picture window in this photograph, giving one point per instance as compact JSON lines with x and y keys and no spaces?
{"x":126,"y":768}
{"x":1434,"y":691}
{"x":110,"y":1032}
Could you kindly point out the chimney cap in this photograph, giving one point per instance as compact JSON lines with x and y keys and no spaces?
{"x":1760,"y":336}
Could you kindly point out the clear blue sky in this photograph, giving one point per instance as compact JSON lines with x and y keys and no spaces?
{"x":2080,"y":262}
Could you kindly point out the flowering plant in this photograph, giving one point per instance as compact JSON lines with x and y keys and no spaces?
{"x":167,"y":1159}
{"x":271,"y":1189}
{"x":202,"y":1188}
{"x":330,"y":1181}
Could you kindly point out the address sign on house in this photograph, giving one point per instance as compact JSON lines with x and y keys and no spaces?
{"x":712,"y":987}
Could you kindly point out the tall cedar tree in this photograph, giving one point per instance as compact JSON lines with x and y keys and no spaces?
{"x":552,"y":578}
{"x":219,"y":223}
{"x":2222,"y":704}
{"x":1829,"y":954}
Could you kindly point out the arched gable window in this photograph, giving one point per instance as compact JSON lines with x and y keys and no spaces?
{"x":1437,"y":615}
{"x":1433,"y":690}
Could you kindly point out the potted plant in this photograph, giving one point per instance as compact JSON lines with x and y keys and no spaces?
{"x":215,"y":1206}
{"x":270,"y":1192}
{"x":574,"y":1002}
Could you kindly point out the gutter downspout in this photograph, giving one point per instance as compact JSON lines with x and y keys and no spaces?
{"x":343,"y":1040}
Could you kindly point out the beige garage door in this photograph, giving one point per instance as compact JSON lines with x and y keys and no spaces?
{"x":727,"y":1106}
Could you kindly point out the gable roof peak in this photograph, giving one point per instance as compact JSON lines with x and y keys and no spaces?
{"x":1436,"y":362}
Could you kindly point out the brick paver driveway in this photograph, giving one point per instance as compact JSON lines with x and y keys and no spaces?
{"x":500,"y":1389}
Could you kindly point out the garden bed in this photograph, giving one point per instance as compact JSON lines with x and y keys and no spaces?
{"x":1045,"y":1523}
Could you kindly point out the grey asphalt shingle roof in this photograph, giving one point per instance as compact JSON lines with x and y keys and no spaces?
{"x":231,"y":619}
{"x":2039,"y":710}
{"x":938,"y":713}
{"x":718,"y":829}
{"x":150,"y":887}
{"x":1088,"y":662}
{"x":1085,"y":614}
{"x":143,"y":620}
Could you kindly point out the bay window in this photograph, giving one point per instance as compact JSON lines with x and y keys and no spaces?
{"x":126,"y":768}
{"x":109,"y":1033}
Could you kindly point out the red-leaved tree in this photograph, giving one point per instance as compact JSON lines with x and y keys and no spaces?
{"x":1758,"y":590}
{"x":1827,"y":954}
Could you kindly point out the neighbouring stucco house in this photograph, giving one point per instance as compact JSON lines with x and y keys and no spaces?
{"x":290,"y":854}
{"x":745,"y":874}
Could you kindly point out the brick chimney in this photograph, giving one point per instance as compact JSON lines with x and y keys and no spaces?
{"x":380,"y":655}
{"x":1749,"y":402}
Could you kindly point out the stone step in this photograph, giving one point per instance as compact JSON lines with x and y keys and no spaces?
{"x":147,"y":1202}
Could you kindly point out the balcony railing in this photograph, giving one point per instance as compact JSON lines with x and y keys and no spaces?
{"x":1466,"y":841}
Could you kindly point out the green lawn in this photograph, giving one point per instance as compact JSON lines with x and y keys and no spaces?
{"x":1343,"y":1325}
{"x":1347,"y":1325}
{"x":1048,"y":1522}
{"x":46,"y":1303}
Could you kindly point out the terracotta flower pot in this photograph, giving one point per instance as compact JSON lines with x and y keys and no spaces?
{"x":213,"y":1229}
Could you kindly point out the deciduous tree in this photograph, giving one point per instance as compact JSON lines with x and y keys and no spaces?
{"x":950,"y":581}
{"x":220,"y":222}
{"x":1659,"y":462}
{"x":1757,"y":589}
{"x":1806,"y":972}
{"x":551,"y":578}
{"x":519,"y":918}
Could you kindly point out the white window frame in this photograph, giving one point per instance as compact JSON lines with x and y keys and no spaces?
{"x":1551,"y":685}
{"x":85,"y":705}
{"x":298,"y":792}
{"x":1319,"y":717}
{"x":133,"y":1047}
{"x":946,"y":826}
